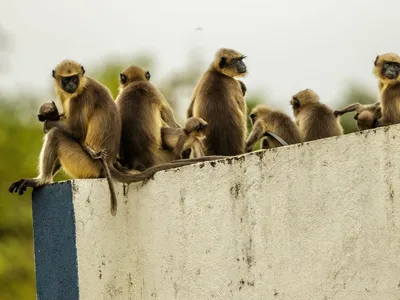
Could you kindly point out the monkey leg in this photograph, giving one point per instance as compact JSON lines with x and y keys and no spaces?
{"x":256,"y":133}
{"x":75,"y":161}
{"x":48,"y":165}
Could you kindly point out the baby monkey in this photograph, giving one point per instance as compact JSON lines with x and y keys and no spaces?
{"x":48,"y":111}
{"x":265,"y":122}
{"x":182,"y":140}
{"x":367,"y":115}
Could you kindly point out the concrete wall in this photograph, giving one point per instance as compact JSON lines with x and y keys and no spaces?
{"x":315,"y":221}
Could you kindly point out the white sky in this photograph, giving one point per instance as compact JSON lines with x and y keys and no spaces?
{"x":290,"y":45}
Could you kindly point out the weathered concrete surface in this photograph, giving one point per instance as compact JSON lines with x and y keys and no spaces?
{"x":319,"y":220}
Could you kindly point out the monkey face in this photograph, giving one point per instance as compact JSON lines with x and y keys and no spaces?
{"x":253,"y":118}
{"x":390,"y":70}
{"x":234,"y":66}
{"x":70,"y":84}
{"x":295,"y":102}
{"x":48,"y":111}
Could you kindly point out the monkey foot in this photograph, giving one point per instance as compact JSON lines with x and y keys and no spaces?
{"x":21,"y":185}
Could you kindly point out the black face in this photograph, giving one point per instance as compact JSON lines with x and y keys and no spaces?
{"x":236,"y":63}
{"x":70,"y":84}
{"x":253,"y":118}
{"x":148,"y":75}
{"x":391,"y":70}
{"x":295,"y":103}
{"x":201,"y":127}
{"x":240,"y":66}
{"x":123,"y":78}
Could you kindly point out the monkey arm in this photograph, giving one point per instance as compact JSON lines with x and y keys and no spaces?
{"x":61,"y":125}
{"x":256,"y":133}
{"x":168,"y":117}
{"x":350,"y":108}
{"x":243,"y":87}
{"x":179,"y":148}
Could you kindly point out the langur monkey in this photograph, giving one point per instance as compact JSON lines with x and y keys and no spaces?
{"x":314,"y":119}
{"x":87,"y":135}
{"x":387,"y":70}
{"x":48,"y":111}
{"x":218,"y":99}
{"x":366,"y":115}
{"x":91,"y":121}
{"x":144,"y":111}
{"x":180,"y":140}
{"x":266,"y":120}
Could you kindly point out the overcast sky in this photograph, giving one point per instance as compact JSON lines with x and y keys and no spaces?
{"x":290,"y":45}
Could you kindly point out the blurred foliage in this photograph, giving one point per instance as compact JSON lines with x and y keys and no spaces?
{"x":20,"y":143}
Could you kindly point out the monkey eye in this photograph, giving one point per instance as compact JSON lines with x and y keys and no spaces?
{"x":148,"y":75}
{"x":252,"y":116}
{"x":75,"y":79}
{"x":123,"y":78}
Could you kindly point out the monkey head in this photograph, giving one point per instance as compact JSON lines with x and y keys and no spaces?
{"x":302,"y":99}
{"x":196,"y":126}
{"x":387,"y":67}
{"x":259,"y":111}
{"x":133,"y":74}
{"x":367,"y":116}
{"x":48,"y":111}
{"x":69,"y":76}
{"x":229,"y":62}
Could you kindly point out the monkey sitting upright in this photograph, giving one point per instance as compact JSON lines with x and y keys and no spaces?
{"x":218,"y":99}
{"x":180,"y":140}
{"x":143,"y":110}
{"x":89,"y":130}
{"x":266,"y":120}
{"x":366,"y":115}
{"x":314,"y":119}
{"x":387,"y":69}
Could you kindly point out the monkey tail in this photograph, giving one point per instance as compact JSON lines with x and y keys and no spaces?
{"x":277,"y":138}
{"x":113,"y":207}
{"x":129,"y":177}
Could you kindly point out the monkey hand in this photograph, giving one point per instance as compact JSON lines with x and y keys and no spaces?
{"x":102,"y":154}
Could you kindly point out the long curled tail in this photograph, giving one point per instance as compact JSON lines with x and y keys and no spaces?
{"x":113,"y":207}
{"x":277,"y":138}
{"x":133,"y":176}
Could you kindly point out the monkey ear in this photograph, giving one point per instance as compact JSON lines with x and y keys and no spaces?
{"x":222,"y":62}
{"x":376,"y":60}
{"x":123,"y":78}
{"x":54,"y":74}
{"x":148,"y":75}
{"x":83,"y":70}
